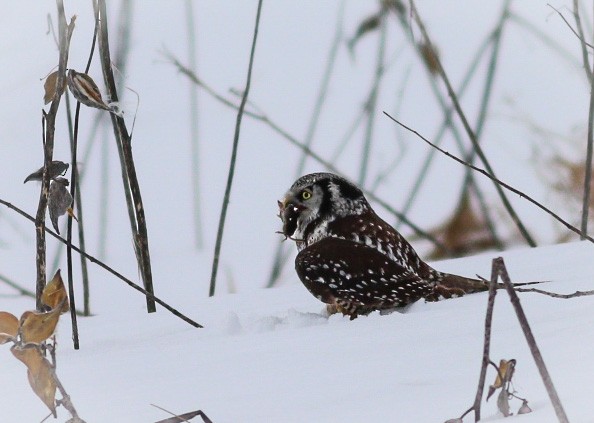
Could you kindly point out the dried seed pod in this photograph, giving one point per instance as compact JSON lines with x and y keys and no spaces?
{"x":55,"y":169}
{"x":59,"y":200}
{"x":84,"y":89}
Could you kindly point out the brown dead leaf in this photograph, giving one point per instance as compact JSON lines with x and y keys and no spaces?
{"x":50,"y":86}
{"x":44,"y":384}
{"x":37,"y":327}
{"x":54,"y":293}
{"x":504,"y":375}
{"x":9,"y":327}
{"x":40,"y":374}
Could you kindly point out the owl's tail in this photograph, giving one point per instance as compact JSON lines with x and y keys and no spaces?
{"x":449,"y":286}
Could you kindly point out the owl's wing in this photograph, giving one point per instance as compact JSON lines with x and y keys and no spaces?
{"x":343,"y":272}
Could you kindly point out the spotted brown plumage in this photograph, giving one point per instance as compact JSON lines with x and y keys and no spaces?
{"x":350,"y":258}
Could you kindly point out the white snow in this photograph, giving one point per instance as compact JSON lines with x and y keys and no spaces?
{"x":272,"y":355}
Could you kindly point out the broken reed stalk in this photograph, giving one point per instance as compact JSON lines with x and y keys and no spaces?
{"x":104,"y":266}
{"x":222,"y":218}
{"x":131,"y":185}
{"x":469,"y":131}
{"x":495,"y":180}
{"x":307,"y":150}
{"x":544,"y":374}
{"x":65,"y":33}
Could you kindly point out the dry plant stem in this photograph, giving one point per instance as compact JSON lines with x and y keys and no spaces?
{"x":79,"y":212}
{"x":73,"y":191}
{"x":497,"y":181}
{"x":581,"y":36}
{"x":281,"y":254}
{"x":65,"y":401}
{"x":544,"y":374}
{"x":588,"y":163}
{"x":470,"y":132}
{"x":121,"y":133}
{"x":105,"y":267}
{"x":194,"y":117}
{"x":217,"y":250}
{"x":65,"y":33}
{"x":486,"y":346}
{"x":315,"y":156}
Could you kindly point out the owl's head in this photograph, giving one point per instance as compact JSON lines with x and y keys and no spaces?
{"x":317,"y":198}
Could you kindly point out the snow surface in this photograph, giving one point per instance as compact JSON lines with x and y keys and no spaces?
{"x":272,"y":355}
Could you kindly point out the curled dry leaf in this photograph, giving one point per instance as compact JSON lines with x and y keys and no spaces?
{"x":504,"y":375}
{"x":9,"y":327}
{"x":40,"y":374}
{"x":84,"y":89}
{"x":59,"y":200}
{"x":50,"y":86}
{"x":55,"y":169}
{"x":37,"y":327}
{"x":55,"y":294}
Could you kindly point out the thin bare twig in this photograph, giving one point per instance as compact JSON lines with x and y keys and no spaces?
{"x":217,"y":251}
{"x":497,"y":181}
{"x":544,"y":374}
{"x":580,"y":35}
{"x":555,"y":295}
{"x":104,"y":266}
{"x":469,"y":131}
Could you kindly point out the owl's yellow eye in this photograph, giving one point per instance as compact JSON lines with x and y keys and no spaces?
{"x":306,"y":195}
